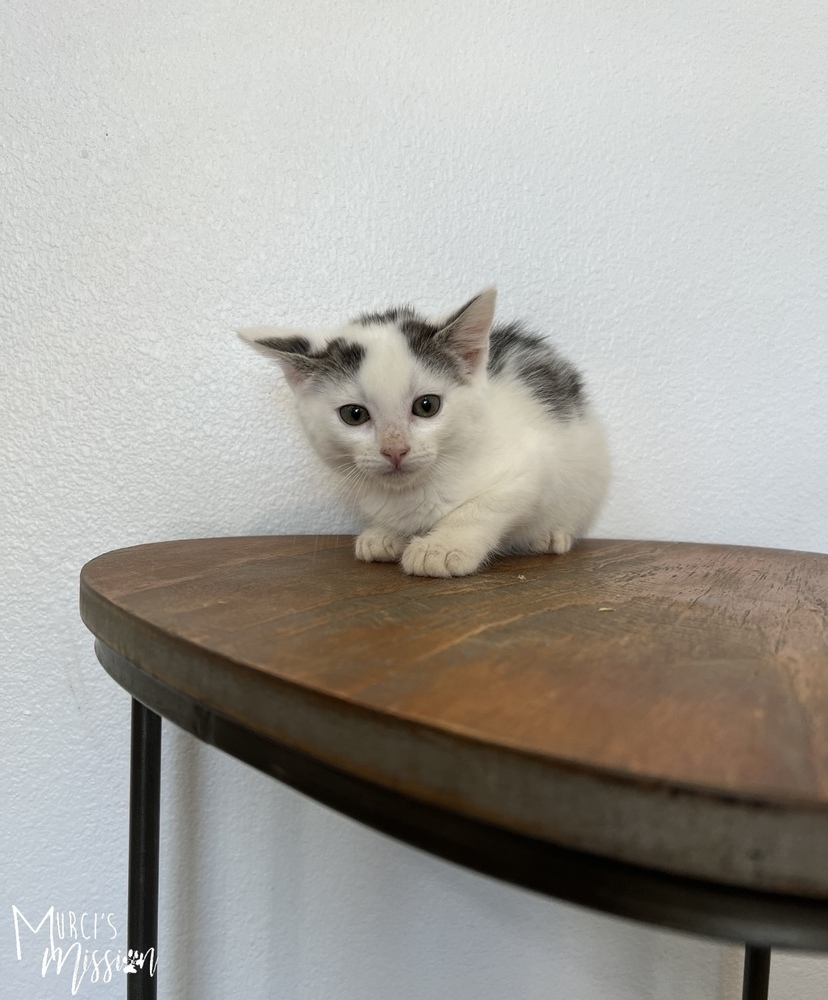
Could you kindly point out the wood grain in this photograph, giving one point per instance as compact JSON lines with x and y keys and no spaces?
{"x":663,"y":704}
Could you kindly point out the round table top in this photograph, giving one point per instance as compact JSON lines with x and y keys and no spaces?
{"x":662,"y":704}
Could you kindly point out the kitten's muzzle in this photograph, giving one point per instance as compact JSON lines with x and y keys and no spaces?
{"x":395,"y":454}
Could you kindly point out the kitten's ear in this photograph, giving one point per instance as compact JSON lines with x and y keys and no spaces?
{"x":466,"y":333}
{"x":289,"y":348}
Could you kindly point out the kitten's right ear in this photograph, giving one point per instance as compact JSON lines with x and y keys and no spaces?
{"x":466,"y":333}
{"x":289,"y":348}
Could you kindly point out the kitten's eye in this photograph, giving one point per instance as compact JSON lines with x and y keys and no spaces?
{"x":426,"y":406}
{"x":353,"y":414}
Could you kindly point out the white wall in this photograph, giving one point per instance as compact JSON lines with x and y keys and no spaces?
{"x":645,"y":181}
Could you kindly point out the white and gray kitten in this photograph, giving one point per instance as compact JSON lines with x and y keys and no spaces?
{"x":456,"y":440}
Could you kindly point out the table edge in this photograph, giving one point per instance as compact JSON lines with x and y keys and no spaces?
{"x":617,"y":888}
{"x":746,"y":822}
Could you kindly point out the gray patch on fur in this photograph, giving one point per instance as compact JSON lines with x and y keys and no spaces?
{"x":513,"y":351}
{"x":338,"y":359}
{"x":552,"y":380}
{"x":421,"y":336}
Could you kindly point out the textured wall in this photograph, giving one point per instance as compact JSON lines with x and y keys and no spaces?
{"x":645,"y":181}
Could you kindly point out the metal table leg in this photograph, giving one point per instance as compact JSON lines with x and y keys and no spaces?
{"x":144,"y":812}
{"x":757,"y":973}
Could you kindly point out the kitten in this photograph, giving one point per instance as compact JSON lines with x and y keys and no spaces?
{"x":455,"y":440}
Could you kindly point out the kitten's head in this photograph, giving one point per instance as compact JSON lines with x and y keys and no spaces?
{"x":390,"y":398}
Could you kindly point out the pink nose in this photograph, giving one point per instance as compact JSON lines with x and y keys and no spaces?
{"x":395,"y":454}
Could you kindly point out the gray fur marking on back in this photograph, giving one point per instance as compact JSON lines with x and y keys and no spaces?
{"x":552,"y":380}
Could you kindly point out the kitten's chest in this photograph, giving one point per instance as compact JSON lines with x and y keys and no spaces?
{"x":409,"y":513}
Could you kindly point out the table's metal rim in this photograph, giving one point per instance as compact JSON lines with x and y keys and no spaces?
{"x":612,"y":887}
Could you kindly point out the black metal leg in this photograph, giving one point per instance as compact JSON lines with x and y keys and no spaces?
{"x":144,"y":813}
{"x":757,"y":973}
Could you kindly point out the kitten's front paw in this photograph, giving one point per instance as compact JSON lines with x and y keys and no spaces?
{"x":560,"y":542}
{"x":424,"y":557}
{"x":376,"y":545}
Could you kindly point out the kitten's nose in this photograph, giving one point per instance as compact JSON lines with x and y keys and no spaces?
{"x":395,"y":454}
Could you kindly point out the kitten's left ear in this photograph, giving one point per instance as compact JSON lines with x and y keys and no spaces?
{"x":289,"y":348}
{"x":467,"y":332}
{"x":258,"y":337}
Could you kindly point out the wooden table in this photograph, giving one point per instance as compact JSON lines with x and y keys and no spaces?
{"x":638,"y":727}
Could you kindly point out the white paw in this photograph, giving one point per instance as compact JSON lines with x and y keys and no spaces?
{"x":560,"y":542}
{"x":424,"y":557}
{"x":376,"y":545}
